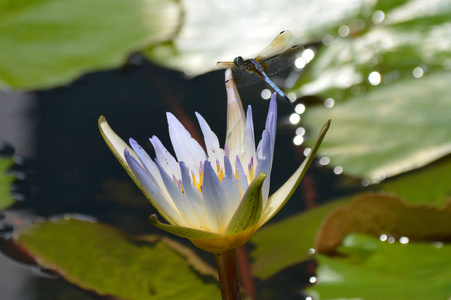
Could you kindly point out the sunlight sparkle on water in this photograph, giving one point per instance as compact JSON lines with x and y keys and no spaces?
{"x":344,"y":31}
{"x":417,"y":72}
{"x":266,"y":94}
{"x":307,"y":151}
{"x":404,"y":240}
{"x":300,"y":131}
{"x":324,"y":160}
{"x":300,"y":108}
{"x":391,"y":240}
{"x":295,"y":118}
{"x":338,"y":170}
{"x":383,"y":237}
{"x":329,"y":102}
{"x":312,"y":279}
{"x":378,"y":17}
{"x":308,"y":54}
{"x":298,"y":140}
{"x":327,"y":40}
{"x":308,"y":298}
{"x":311,"y":251}
{"x":374,"y":78}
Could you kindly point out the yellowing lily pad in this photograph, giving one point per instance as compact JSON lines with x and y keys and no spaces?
{"x":101,"y":259}
{"x":46,"y":43}
{"x":377,"y":214}
{"x":370,"y":269}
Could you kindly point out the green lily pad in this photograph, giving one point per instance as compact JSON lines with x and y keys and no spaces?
{"x":46,"y":43}
{"x":215,"y":32}
{"x":101,"y":259}
{"x":398,"y":37}
{"x":371,"y":269}
{"x":429,"y":185}
{"x":6,"y":199}
{"x":390,"y":130}
{"x":287,"y":242}
{"x":379,"y":213}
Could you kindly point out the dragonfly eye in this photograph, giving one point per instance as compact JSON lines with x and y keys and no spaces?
{"x":238,"y":61}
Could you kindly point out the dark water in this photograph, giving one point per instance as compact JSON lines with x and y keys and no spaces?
{"x":72,"y":170}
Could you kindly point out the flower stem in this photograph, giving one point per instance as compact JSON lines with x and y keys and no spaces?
{"x":228,"y":275}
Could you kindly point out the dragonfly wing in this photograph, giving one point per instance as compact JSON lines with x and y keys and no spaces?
{"x":225,"y":64}
{"x":243,"y":77}
{"x":276,"y":47}
{"x":281,"y":61}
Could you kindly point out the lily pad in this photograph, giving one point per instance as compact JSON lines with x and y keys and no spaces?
{"x":46,"y":43}
{"x":6,"y":199}
{"x":282,"y":244}
{"x":103,"y":260}
{"x":371,"y":269}
{"x":429,"y":185}
{"x":207,"y":38}
{"x":392,"y":129}
{"x":377,"y":214}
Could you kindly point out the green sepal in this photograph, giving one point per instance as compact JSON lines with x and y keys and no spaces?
{"x":281,"y":196}
{"x":250,"y":209}
{"x":184,"y":232}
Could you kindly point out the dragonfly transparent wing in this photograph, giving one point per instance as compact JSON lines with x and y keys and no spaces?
{"x":279,"y":44}
{"x":280,"y":62}
{"x":243,"y":77}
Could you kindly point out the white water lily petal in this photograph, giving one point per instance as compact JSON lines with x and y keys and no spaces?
{"x":186,"y":148}
{"x":264,"y":164}
{"x":214,"y":151}
{"x":230,"y":184}
{"x":165,"y":208}
{"x":167,"y":161}
{"x":213,"y":197}
{"x":236,"y":121}
{"x":241,"y":175}
{"x":271,"y":123}
{"x":194,"y":196}
{"x":147,"y":163}
{"x":183,"y":205}
{"x":248,"y":144}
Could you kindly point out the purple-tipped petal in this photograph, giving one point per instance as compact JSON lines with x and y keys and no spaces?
{"x":167,"y":161}
{"x":194,"y":196}
{"x":213,"y":193}
{"x":214,"y":151}
{"x":164,"y":206}
{"x":264,"y":162}
{"x":230,"y":184}
{"x":180,"y":201}
{"x":186,"y":148}
{"x":242,"y":178}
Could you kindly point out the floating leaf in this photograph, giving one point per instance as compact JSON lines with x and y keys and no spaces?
{"x":372,"y":269}
{"x":282,"y":244}
{"x":98,"y":258}
{"x":6,"y":199}
{"x":390,"y":130}
{"x":206,"y":39}
{"x":377,"y":214}
{"x":46,"y":43}
{"x":429,"y":185}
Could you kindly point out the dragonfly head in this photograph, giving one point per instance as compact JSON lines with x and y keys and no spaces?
{"x":238,"y":61}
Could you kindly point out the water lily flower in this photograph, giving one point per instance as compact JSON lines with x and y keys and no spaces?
{"x":216,"y":198}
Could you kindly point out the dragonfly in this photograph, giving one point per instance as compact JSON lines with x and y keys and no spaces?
{"x":274,"y":58}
